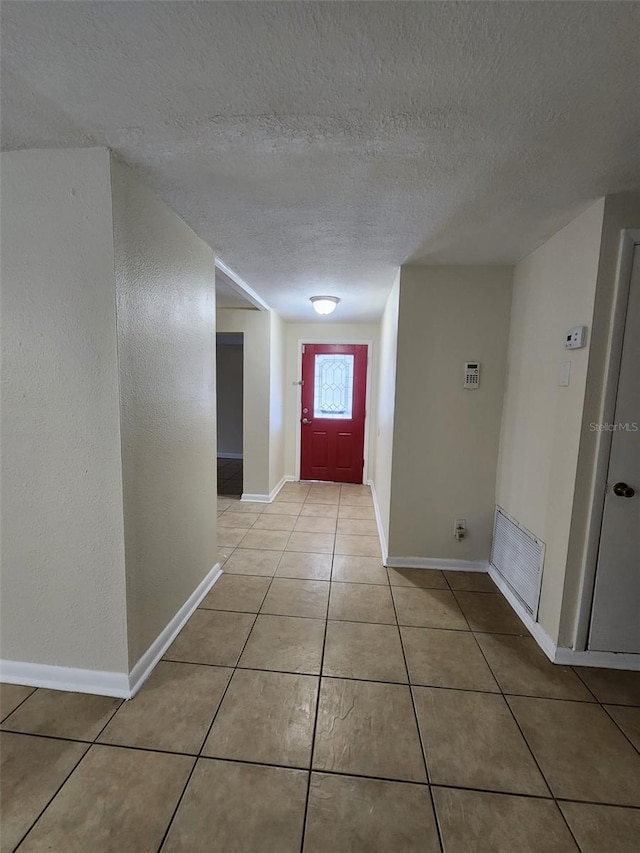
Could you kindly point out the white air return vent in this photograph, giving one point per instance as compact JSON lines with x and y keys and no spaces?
{"x":518,"y":557}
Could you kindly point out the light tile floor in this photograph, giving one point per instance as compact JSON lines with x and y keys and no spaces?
{"x":317,"y":701}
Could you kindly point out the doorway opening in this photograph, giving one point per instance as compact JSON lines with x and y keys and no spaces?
{"x":230,"y":414}
{"x":333,"y":412}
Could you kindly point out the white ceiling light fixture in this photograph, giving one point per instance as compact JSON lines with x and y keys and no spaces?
{"x":324,"y":304}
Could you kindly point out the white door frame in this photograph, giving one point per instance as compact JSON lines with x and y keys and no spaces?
{"x":367,"y":404}
{"x":629,"y":239}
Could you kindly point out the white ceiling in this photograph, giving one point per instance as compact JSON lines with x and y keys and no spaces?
{"x":317,"y":146}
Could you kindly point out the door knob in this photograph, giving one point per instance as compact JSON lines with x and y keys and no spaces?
{"x":306,"y":421}
{"x":623,"y":491}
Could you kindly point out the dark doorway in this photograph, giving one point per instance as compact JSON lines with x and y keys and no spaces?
{"x":230,"y":383}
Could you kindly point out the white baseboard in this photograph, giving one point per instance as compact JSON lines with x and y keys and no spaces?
{"x":65,"y":678}
{"x":560,"y":654}
{"x":267,"y":499}
{"x":119,"y":684}
{"x":544,"y":640}
{"x":229,"y":455}
{"x":437,"y":563}
{"x":146,"y":664}
{"x":381,"y":534}
{"x":608,"y":660}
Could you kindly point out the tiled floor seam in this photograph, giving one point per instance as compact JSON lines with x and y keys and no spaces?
{"x":617,"y":724}
{"x":305,"y":769}
{"x":55,"y":794}
{"x":52,"y":737}
{"x":335,"y":677}
{"x":199,"y":755}
{"x":315,"y":721}
{"x":361,"y":621}
{"x":522,"y":734}
{"x":603,"y":706}
{"x":89,"y":743}
{"x":6,"y":716}
{"x":527,"y":796}
{"x":422,"y":746}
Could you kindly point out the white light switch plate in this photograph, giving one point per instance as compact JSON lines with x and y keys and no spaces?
{"x":565,"y":372}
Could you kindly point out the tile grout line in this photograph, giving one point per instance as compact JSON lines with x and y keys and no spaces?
{"x":606,"y":710}
{"x":533,"y":796}
{"x":56,"y":792}
{"x":95,"y":740}
{"x":617,"y":724}
{"x":208,"y":732}
{"x":89,"y":743}
{"x":13,"y":710}
{"x":523,"y":736}
{"x":108,"y":745}
{"x":378,"y":585}
{"x":317,"y":712}
{"x":418,"y":729}
{"x":373,"y":680}
{"x":334,"y":772}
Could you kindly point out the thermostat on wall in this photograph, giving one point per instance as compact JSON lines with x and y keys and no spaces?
{"x":576,"y":338}
{"x":472,"y":374}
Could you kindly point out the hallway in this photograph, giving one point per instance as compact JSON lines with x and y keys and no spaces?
{"x":440,"y":724}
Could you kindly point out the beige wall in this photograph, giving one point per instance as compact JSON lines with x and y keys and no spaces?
{"x":386,"y":396}
{"x":63,"y":580}
{"x":276,"y":400}
{"x":165,"y":288}
{"x":229,"y":378}
{"x":554,"y":289}
{"x":321,"y":331}
{"x":445,"y":437}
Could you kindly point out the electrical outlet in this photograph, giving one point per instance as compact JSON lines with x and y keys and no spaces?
{"x":576,"y":338}
{"x":460,"y":528}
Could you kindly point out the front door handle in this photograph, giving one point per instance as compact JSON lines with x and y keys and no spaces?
{"x":623,"y":491}
{"x":306,"y":421}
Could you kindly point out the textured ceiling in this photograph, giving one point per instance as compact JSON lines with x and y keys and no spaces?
{"x":317,"y":146}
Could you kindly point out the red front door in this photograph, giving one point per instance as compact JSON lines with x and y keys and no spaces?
{"x":334,"y":379}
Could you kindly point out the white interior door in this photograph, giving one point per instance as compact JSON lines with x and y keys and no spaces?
{"x":615,"y":617}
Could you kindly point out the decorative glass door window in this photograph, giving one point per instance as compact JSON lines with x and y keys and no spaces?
{"x":333,"y":387}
